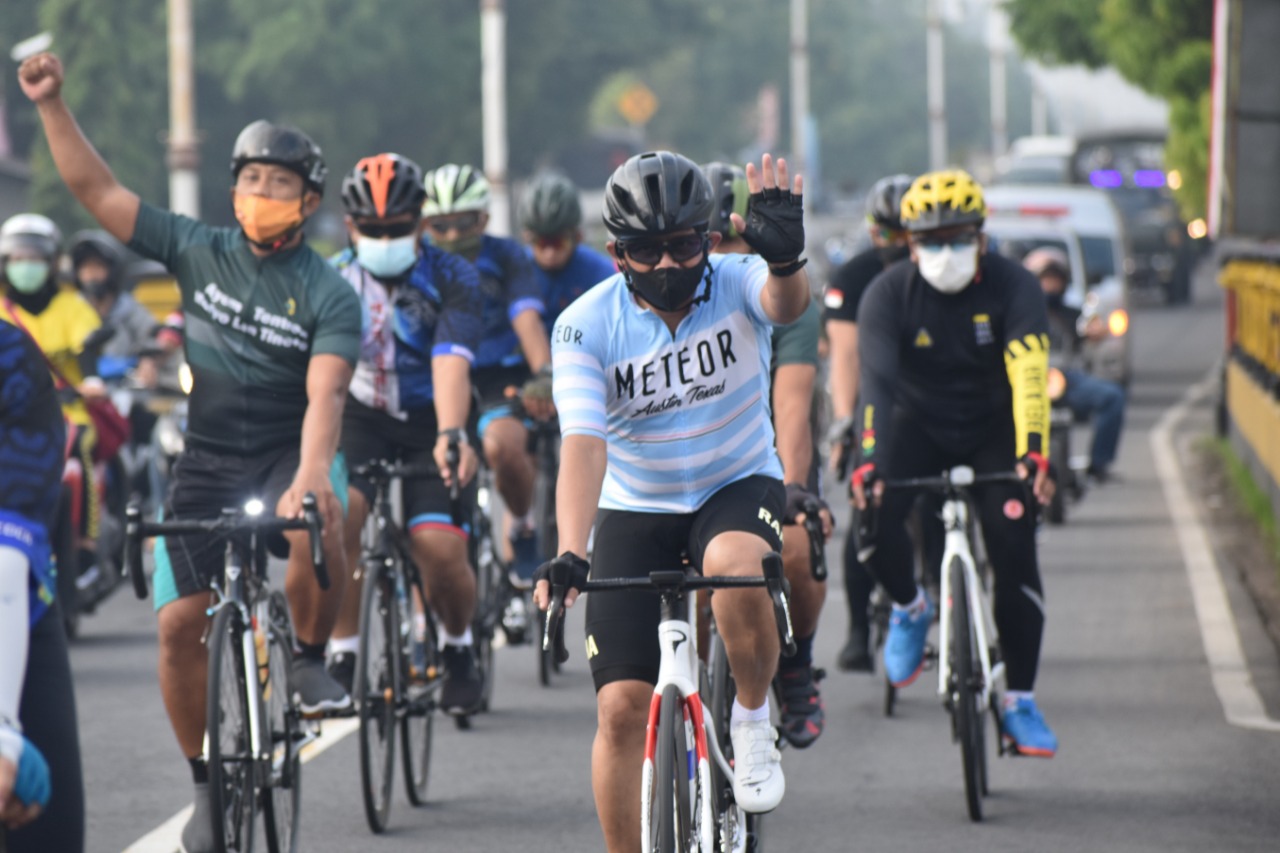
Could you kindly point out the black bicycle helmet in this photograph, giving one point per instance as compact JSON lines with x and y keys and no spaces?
{"x":382,"y":186}
{"x":729,"y":190}
{"x":96,"y":243}
{"x":884,"y":202}
{"x":656,"y":193}
{"x":550,"y":205}
{"x":264,"y":142}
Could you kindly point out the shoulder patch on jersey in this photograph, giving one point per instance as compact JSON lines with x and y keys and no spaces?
{"x":923,"y":339}
{"x":833,"y":298}
{"x":982,"y":329}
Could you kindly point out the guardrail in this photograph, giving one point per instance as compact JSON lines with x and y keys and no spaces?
{"x":1253,"y":315}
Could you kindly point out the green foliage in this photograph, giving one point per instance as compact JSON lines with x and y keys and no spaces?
{"x":1162,"y":46}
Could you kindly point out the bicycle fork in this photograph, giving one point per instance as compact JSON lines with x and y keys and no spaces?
{"x":955,"y":519}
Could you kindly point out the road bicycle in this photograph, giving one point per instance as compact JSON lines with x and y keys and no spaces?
{"x":399,"y":673}
{"x":254,"y":731}
{"x":545,"y":440}
{"x":687,"y":791}
{"x":970,"y":670}
{"x":493,"y":586}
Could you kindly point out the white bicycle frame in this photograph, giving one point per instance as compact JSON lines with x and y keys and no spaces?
{"x":955,"y":519}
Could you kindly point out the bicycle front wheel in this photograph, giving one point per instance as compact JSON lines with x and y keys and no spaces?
{"x":967,"y":695}
{"x":377,"y":689}
{"x":282,"y":796}
{"x":491,"y":593}
{"x":233,"y":791}
{"x":671,"y":819}
{"x":417,"y":720}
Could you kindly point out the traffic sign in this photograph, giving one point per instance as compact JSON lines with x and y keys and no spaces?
{"x":638,"y":104}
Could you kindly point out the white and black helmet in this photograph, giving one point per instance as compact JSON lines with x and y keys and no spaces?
{"x":657,"y":193}
{"x":455,"y":189}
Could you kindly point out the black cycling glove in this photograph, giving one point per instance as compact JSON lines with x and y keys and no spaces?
{"x":775,"y":226}
{"x":568,"y":570}
{"x":799,"y":500}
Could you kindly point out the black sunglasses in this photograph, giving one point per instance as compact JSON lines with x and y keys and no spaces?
{"x":650,"y":252}
{"x":966,"y":238}
{"x":379,"y":231}
{"x":461,"y":222}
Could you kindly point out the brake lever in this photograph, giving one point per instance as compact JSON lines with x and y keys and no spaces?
{"x":817,"y":549}
{"x":133,"y":550}
{"x":553,"y":625}
{"x":453,"y":459}
{"x":779,"y":588}
{"x":315,"y":526}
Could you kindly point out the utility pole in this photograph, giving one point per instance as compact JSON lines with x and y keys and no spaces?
{"x":493,"y":93}
{"x":998,"y":53}
{"x":935,"y":72}
{"x":799,"y":88}
{"x":183,"y":143}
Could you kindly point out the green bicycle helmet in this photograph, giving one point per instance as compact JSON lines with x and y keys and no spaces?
{"x":729,"y":190}
{"x":455,"y":189}
{"x":550,"y":205}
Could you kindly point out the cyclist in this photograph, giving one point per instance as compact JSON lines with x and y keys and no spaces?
{"x":953,"y":353}
{"x":97,"y":261}
{"x":410,"y":395}
{"x":37,"y":702}
{"x":513,"y":346}
{"x":566,"y":268}
{"x":272,"y":336}
{"x":661,"y":385}
{"x":66,"y":328}
{"x":794,"y":371}
{"x":840,"y":318}
{"x":1085,"y":395}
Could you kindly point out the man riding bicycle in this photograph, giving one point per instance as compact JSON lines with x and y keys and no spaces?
{"x":410,"y":396}
{"x":662,"y":388}
{"x":513,"y":343}
{"x":792,"y":379}
{"x":272,"y":334}
{"x":954,"y":354}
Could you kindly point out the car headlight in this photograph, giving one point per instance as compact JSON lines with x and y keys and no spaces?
{"x":1057,"y":384}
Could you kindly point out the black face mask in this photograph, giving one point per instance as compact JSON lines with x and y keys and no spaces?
{"x":668,"y":288}
{"x":890,"y":255}
{"x":1053,"y":300}
{"x":97,"y":290}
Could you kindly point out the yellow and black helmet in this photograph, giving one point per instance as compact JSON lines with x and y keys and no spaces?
{"x":943,"y":200}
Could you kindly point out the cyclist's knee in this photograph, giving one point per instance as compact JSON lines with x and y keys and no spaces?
{"x":504,"y":442}
{"x":622,"y":709}
{"x":795,"y":551}
{"x":734,"y":552}
{"x":443,"y":552}
{"x":181,"y":625}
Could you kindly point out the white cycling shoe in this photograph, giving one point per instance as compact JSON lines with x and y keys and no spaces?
{"x":758,"y":784}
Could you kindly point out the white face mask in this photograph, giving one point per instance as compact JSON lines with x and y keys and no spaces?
{"x":949,"y":269}
{"x":387,"y":258}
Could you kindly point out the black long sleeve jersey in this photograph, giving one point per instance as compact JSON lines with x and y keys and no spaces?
{"x":955,"y":363}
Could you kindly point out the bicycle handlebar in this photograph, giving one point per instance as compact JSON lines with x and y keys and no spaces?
{"x":230,"y":523}
{"x":380,"y":470}
{"x":668,"y":582}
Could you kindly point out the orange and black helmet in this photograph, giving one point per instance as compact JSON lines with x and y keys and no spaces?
{"x":382,"y":186}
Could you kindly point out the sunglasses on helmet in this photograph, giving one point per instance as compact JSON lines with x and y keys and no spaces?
{"x":650,"y":252}
{"x":460,"y":222}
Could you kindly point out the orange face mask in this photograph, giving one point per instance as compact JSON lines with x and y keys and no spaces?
{"x":266,"y":219}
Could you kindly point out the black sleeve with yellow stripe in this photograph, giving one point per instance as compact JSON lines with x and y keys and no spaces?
{"x":1026,"y":358}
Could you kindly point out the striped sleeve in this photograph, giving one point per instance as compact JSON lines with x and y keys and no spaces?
{"x":578,"y":381}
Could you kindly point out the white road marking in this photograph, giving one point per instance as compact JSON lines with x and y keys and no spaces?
{"x":1227,"y":665}
{"x":167,"y":837}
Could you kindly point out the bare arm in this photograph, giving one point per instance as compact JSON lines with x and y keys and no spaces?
{"x":327,"y":379}
{"x":81,"y":167}
{"x":583,"y":460}
{"x":784,"y":299}
{"x":451,"y":382}
{"x":792,"y":396}
{"x":533,"y":339}
{"x":843,"y":338}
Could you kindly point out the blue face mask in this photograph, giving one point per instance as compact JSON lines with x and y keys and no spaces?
{"x":387,"y":258}
{"x":27,"y":276}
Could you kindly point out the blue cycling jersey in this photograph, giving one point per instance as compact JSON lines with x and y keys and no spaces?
{"x":435,"y":311}
{"x":509,"y":288}
{"x":682,"y":415}
{"x":33,"y":438}
{"x":560,"y":289}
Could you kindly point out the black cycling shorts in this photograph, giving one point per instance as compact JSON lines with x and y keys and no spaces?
{"x":369,"y":435}
{"x":203,"y":484}
{"x":495,"y":387}
{"x":622,"y":627}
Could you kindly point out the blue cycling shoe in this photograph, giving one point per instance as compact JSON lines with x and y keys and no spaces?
{"x":32,"y":785}
{"x":904,"y":645}
{"x":1025,"y":731}
{"x":525,"y":558}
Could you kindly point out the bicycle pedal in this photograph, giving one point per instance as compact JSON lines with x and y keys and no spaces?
{"x":818,"y":674}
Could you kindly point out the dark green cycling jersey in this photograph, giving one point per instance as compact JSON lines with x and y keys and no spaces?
{"x":252,"y":326}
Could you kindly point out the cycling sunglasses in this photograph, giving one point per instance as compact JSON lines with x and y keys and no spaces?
{"x":380,"y":231}
{"x":650,"y":252}
{"x":961,"y":240}
{"x":461,"y":222}
{"x":551,"y":243}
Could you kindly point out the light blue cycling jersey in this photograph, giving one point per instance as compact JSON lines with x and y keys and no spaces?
{"x":683,"y":415}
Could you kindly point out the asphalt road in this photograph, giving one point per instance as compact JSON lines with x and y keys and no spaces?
{"x":1147,"y":760}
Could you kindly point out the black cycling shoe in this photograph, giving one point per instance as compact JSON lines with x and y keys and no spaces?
{"x":315,"y":689}
{"x":463,"y":684}
{"x":856,"y":654}
{"x":342,"y":669}
{"x":197,"y":835}
{"x":802,"y":714}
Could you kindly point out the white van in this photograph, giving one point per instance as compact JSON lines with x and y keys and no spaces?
{"x":1096,"y":222}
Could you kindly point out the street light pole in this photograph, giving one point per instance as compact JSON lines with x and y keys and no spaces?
{"x":935,"y":72}
{"x":998,"y":47}
{"x":799,"y":85}
{"x":493,"y":92}
{"x":183,"y":143}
